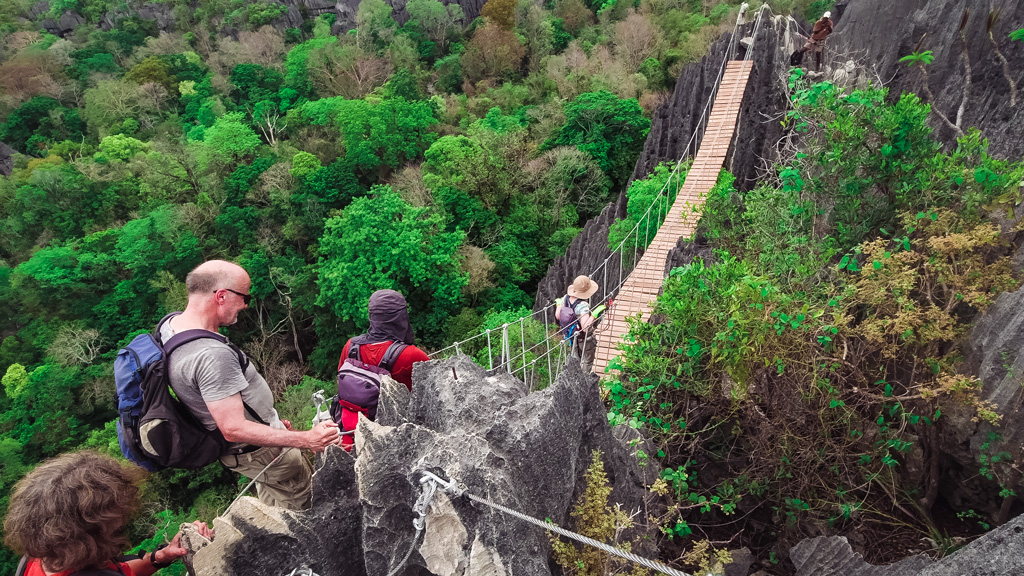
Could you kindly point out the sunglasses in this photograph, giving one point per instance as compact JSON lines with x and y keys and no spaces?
{"x":245,"y":297}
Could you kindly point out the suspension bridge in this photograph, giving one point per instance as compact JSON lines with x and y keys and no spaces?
{"x":643,"y":284}
{"x":533,"y":347}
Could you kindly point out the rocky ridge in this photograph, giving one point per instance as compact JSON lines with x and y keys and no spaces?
{"x":525,"y":450}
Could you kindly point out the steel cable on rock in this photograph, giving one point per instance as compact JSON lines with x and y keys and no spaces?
{"x":645,"y":562}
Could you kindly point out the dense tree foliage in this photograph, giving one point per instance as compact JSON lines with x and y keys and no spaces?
{"x":449,"y":159}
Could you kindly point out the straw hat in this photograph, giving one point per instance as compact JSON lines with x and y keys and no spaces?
{"x":582,"y":287}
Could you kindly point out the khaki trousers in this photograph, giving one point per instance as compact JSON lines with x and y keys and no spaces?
{"x":288,"y":483}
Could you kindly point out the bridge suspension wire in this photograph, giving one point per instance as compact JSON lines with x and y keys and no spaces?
{"x":531,"y":355}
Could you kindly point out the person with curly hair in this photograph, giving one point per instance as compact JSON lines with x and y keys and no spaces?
{"x":68,"y":516}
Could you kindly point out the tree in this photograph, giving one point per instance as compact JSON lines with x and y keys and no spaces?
{"x":492,"y":53}
{"x":121,"y":147}
{"x":437,"y":21}
{"x":76,"y":345}
{"x":574,"y":15}
{"x":112,"y":102}
{"x":380,"y":242}
{"x":375,"y":26}
{"x":389,"y":133}
{"x":636,"y":39}
{"x":15,"y":380}
{"x":297,"y":62}
{"x":610,"y":129}
{"x":230,"y":139}
{"x":304,"y":164}
{"x":346,"y":70}
{"x":152,"y":69}
{"x":501,"y":12}
{"x":40,"y":121}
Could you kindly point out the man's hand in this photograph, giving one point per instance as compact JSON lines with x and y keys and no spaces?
{"x":323,"y":435}
{"x":174,"y":550}
{"x":287,"y":424}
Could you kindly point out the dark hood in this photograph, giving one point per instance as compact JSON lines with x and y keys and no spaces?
{"x":389,"y":319}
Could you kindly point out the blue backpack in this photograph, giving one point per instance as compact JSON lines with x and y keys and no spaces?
{"x":154,"y":429}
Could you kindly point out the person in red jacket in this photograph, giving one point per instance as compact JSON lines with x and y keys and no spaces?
{"x":69,"y":515}
{"x":822,"y":29}
{"x":389,"y":325}
{"x":389,"y":322}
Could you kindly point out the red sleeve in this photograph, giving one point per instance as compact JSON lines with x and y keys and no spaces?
{"x":402,"y":371}
{"x":344,"y":353}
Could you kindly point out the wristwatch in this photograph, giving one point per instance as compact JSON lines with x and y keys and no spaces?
{"x":152,"y":558}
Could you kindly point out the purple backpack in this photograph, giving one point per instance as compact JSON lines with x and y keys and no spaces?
{"x":567,"y":316}
{"x":359,"y":382}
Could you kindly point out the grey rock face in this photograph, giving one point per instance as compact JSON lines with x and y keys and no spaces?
{"x":832,"y":556}
{"x":524,"y":450}
{"x":686,"y":251}
{"x":994,"y":355}
{"x":6,"y":159}
{"x":254,"y":539}
{"x":162,"y":13}
{"x":877,"y":33}
{"x":63,"y":25}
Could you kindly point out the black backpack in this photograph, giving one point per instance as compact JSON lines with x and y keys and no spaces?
{"x":796,"y":58}
{"x":149,"y":410}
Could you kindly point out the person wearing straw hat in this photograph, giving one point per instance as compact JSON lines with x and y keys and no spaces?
{"x":573,"y":310}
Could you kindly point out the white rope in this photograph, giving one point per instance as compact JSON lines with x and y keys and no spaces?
{"x":253,"y":481}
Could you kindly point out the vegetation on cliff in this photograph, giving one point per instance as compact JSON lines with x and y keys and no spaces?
{"x":797,"y":380}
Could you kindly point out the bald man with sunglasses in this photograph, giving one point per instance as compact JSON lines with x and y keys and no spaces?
{"x":224,"y":391}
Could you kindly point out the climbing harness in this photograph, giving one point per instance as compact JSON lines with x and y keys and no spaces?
{"x":456,"y":490}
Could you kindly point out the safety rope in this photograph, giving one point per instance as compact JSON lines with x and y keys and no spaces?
{"x":455,"y":490}
{"x":253,"y":481}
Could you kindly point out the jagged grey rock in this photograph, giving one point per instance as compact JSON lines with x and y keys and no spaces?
{"x":994,"y":355}
{"x":254,"y":539}
{"x":584,"y":255}
{"x":833,"y":556}
{"x":877,"y":33}
{"x":525,"y":450}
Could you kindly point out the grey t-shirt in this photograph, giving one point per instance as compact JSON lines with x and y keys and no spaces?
{"x":206,"y":371}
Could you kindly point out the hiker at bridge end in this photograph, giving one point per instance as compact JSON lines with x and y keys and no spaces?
{"x":820,"y":33}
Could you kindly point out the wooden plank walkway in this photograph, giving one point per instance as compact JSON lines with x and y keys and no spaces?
{"x":642,"y":287}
